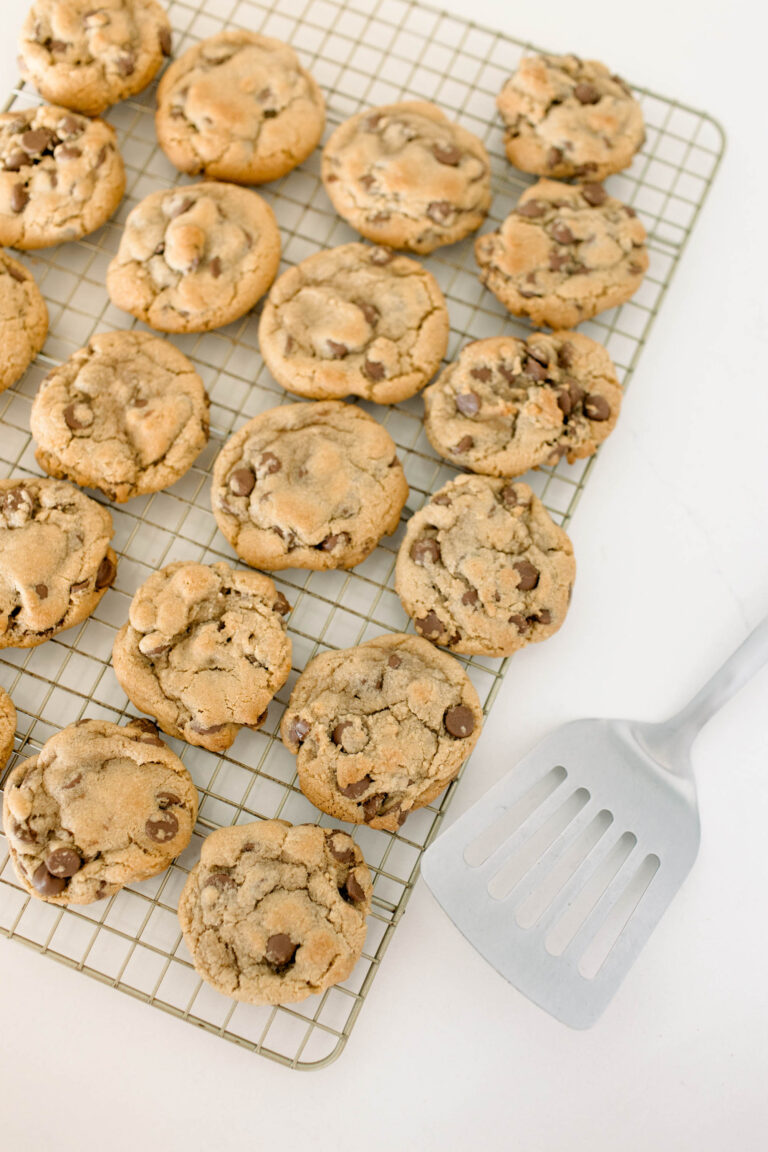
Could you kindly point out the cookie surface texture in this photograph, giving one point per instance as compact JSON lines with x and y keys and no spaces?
{"x":55,"y":559}
{"x":240,"y":107}
{"x":23,"y":320}
{"x":484,"y":569}
{"x":98,"y":807}
{"x":204,"y":651}
{"x":308,"y":486}
{"x":381,"y":729}
{"x":273,"y":913}
{"x":127,"y":414}
{"x":405,"y":176}
{"x":7,"y":727}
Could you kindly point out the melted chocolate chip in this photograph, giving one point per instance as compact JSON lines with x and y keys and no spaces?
{"x":529,"y":576}
{"x":215,"y":267}
{"x":42,"y":591}
{"x":562,"y":233}
{"x":447,"y":154}
{"x":210,"y":730}
{"x":23,"y":833}
{"x":520,"y":623}
{"x":164,"y":799}
{"x":542,"y":617}
{"x":373,"y":805}
{"x":554,"y":156}
{"x":69,"y":152}
{"x":594,"y":194}
{"x":220,"y":881}
{"x":441,"y":499}
{"x":339,"y":539}
{"x":357,"y":788}
{"x":353,"y":890}
{"x":165,"y":41}
{"x":470,"y":596}
{"x":532,"y":208}
{"x":394,"y":661}
{"x":281,"y":605}
{"x":45,"y":883}
{"x":596,"y":407}
{"x":126,"y":65}
{"x":280,"y":950}
{"x":19,"y":198}
{"x":468,"y":403}
{"x":425,"y":551}
{"x":337,"y":350}
{"x":586,"y":93}
{"x":381,"y":256}
{"x":564,"y":402}
{"x":270,"y":463}
{"x":63,"y":862}
{"x":71,"y":126}
{"x":242,"y":481}
{"x":37,"y":141}
{"x":429,"y":626}
{"x":459,"y":721}
{"x":534,"y":369}
{"x":105,"y":574}
{"x":440,"y":211}
{"x":298,"y":730}
{"x":71,"y":420}
{"x":162,"y":827}
{"x":508,"y":496}
{"x":374,"y":370}
{"x":338,"y":733}
{"x":341,"y":848}
{"x":463,"y":445}
{"x":181,"y":208}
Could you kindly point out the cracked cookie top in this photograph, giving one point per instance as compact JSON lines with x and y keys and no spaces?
{"x":308,"y":486}
{"x":55,"y":559}
{"x":381,"y":729}
{"x":484,"y":569}
{"x":88,"y":54}
{"x":275,"y":912}
{"x":204,"y":651}
{"x":567,"y":117}
{"x":61,"y":176}
{"x":239,"y":106}
{"x":507,"y":405}
{"x":23,"y":320}
{"x":564,"y":254}
{"x":195,"y":258}
{"x":354,"y":320}
{"x":405,"y":176}
{"x":128,"y":414}
{"x":97,"y":808}
{"x":7,"y":727}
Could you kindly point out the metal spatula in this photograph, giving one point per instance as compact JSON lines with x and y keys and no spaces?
{"x":560,"y":873}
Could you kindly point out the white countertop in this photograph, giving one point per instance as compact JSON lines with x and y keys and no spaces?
{"x":673,"y":570}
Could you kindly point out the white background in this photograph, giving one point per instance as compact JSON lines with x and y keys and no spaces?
{"x":673,"y":571}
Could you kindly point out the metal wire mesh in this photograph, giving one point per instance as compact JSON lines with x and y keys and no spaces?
{"x":362,"y":53}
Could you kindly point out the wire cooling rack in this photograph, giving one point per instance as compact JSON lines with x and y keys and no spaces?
{"x":362,"y":52}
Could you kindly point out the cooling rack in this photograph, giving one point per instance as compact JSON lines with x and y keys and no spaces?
{"x":362,"y":52}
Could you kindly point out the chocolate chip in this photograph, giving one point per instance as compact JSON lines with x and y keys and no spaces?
{"x":63,"y":862}
{"x":447,"y":154}
{"x":562,"y":233}
{"x":353,"y":890}
{"x":280,"y":950}
{"x":543,"y":617}
{"x":520,"y":623}
{"x":565,"y":354}
{"x":459,"y":721}
{"x":508,"y":496}
{"x":42,"y":591}
{"x":532,"y":208}
{"x":103,"y":152}
{"x":45,"y":883}
{"x":68,"y":152}
{"x":441,"y":499}
{"x":371,"y":123}
{"x":166,"y":798}
{"x":220,"y":881}
{"x":71,"y":420}
{"x":429,"y":626}
{"x":554,"y":156}
{"x":596,"y":407}
{"x":341,"y":848}
{"x":335,"y":540}
{"x":468,"y":403}
{"x":37,"y":140}
{"x":425,"y":551}
{"x":215,"y":267}
{"x":126,"y":65}
{"x":162,"y":828}
{"x":630,"y":211}
{"x":367,"y":180}
{"x":529,"y":576}
{"x":58,"y":45}
{"x":298,"y":730}
{"x":564,"y":402}
{"x":470,"y":596}
{"x":270,"y":463}
{"x":381,"y":256}
{"x":482,"y":372}
{"x":210,"y":730}
{"x":19,"y":198}
{"x":23,"y":832}
{"x":534,"y":369}
{"x":557,"y":260}
{"x":73,"y":782}
{"x":636,"y":269}
{"x":337,"y":350}
{"x":594,"y":194}
{"x":373,"y":805}
{"x":180,"y":209}
{"x":281,"y":605}
{"x":463,"y":445}
{"x":440,"y":211}
{"x":17,"y":274}
{"x":144,"y":730}
{"x":71,"y":126}
{"x":242,"y":482}
{"x":338,"y":732}
{"x":394,"y":661}
{"x":16,"y":160}
{"x":371,"y":313}
{"x":374,"y":370}
{"x":586,"y":93}
{"x":356,"y":788}
{"x":105,"y":574}
{"x":165,"y":41}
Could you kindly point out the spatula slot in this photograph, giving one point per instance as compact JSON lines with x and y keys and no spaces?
{"x":565,"y":928}
{"x":510,"y":819}
{"x":539,"y":900}
{"x":611,"y":928}
{"x":512,"y":871}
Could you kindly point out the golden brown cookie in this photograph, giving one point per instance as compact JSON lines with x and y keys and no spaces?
{"x":23,"y":320}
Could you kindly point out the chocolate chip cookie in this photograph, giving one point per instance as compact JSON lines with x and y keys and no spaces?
{"x":308,"y":486}
{"x":405,"y":176}
{"x":128,"y":414}
{"x":55,"y":559}
{"x":274,"y":912}
{"x":567,"y":117}
{"x":381,"y":729}
{"x":97,"y":808}
{"x":61,"y":176}
{"x":564,"y":254}
{"x":354,"y":320}
{"x":240,"y":107}
{"x":88,"y":54}
{"x":195,"y":258}
{"x":508,"y":405}
{"x":484,"y":569}
{"x":23,"y":320}
{"x":204,"y":651}
{"x":7,"y":727}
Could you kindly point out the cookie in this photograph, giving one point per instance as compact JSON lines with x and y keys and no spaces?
{"x":308,"y":486}
{"x":484,"y":569}
{"x":356,"y":321}
{"x":7,"y":727}
{"x":381,"y":729}
{"x":88,"y":54}
{"x":23,"y":320}
{"x":128,"y":415}
{"x":97,"y":808}
{"x":204,"y":651}
{"x":240,"y":107}
{"x":274,"y":912}
{"x":507,"y":405}
{"x":55,"y":559}
{"x":564,"y":254}
{"x":195,"y":258}
{"x":61,"y":176}
{"x":405,"y":176}
{"x":567,"y":117}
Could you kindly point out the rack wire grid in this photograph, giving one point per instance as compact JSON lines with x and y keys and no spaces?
{"x":362,"y":53}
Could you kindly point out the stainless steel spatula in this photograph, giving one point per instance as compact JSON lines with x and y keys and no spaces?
{"x":560,"y":873}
